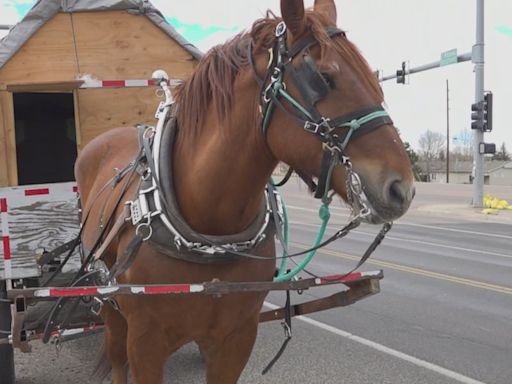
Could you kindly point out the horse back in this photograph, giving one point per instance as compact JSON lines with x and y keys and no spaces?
{"x":99,"y":159}
{"x":96,"y":165}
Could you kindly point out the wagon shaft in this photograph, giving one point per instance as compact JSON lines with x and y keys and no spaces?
{"x":213,"y":288}
{"x":358,"y":290}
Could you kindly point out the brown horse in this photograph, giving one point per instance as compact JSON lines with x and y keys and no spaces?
{"x":221,"y":163}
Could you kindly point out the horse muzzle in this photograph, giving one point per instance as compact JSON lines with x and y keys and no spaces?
{"x":390,"y":201}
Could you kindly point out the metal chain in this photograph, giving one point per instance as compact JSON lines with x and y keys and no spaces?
{"x":355,"y":193}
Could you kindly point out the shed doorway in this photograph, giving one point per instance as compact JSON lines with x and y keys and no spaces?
{"x":45,"y":137}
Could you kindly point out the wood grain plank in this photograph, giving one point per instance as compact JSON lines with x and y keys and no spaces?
{"x":9,"y":137}
{"x":98,"y":113}
{"x":46,"y":86}
{"x":116,"y":45}
{"x":41,"y":225}
{"x":49,"y":55}
{"x":4,"y":173}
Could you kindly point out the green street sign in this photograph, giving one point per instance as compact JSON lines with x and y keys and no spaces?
{"x":449,"y":57}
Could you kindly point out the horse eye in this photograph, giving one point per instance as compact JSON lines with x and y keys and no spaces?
{"x":328,"y":79}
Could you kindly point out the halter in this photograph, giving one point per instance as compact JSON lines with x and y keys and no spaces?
{"x":313,"y":87}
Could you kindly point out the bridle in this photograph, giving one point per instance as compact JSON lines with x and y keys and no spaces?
{"x":313,"y":87}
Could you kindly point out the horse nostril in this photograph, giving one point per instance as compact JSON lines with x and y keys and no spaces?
{"x":396,"y":193}
{"x":400,"y":193}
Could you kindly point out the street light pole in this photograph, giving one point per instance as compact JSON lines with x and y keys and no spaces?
{"x":478,"y":134}
{"x":447,"y":133}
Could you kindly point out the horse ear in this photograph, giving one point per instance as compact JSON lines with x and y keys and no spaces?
{"x":328,"y":8}
{"x":293,"y":16}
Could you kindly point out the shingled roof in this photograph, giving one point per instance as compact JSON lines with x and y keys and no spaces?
{"x":44,"y":10}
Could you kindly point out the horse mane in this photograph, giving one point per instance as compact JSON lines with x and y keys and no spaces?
{"x":211,"y":83}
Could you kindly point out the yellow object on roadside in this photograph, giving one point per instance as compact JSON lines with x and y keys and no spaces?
{"x":495,"y":203}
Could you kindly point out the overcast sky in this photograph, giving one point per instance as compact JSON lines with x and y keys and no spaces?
{"x":387,"y":32}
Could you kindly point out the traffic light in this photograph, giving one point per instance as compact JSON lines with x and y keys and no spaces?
{"x":481,"y":118}
{"x":487,"y":112}
{"x":477,"y":117}
{"x":400,"y":74}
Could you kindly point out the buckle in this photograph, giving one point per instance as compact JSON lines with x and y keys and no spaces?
{"x":280,"y":29}
{"x":135,"y":211}
{"x":315,"y":127}
{"x":333,"y":148}
{"x":311,"y":127}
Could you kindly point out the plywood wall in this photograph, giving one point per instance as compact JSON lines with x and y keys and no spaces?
{"x":118,"y":45}
{"x":98,"y":114}
{"x":47,"y":56}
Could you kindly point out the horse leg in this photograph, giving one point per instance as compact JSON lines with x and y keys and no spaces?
{"x":148,"y":350}
{"x":226,"y":360}
{"x":115,"y":343}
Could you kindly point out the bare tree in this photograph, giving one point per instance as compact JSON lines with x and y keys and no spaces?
{"x":463,"y":141}
{"x":431,"y":144}
{"x":502,"y":154}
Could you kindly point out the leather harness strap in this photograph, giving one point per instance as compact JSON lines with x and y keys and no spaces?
{"x":114,"y":231}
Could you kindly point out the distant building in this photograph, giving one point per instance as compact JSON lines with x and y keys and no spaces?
{"x":461,"y":172}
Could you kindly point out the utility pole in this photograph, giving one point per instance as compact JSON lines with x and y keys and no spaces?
{"x":447,"y":133}
{"x":478,"y":134}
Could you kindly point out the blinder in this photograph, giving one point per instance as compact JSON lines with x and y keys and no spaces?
{"x":310,"y":83}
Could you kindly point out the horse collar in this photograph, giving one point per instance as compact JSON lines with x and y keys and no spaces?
{"x":155,"y":212}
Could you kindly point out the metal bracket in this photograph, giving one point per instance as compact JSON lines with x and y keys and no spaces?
{"x":135,"y":211}
{"x":19,"y":339}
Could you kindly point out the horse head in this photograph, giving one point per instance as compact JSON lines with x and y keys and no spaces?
{"x":322,"y":110}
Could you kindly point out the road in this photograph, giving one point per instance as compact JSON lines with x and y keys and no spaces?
{"x":444,"y":314}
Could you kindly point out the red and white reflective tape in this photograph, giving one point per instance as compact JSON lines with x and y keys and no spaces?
{"x":69,"y":332}
{"x":36,"y":191}
{"x":73,"y":292}
{"x":105,"y":291}
{"x":345,"y":278}
{"x":164,"y":289}
{"x":19,"y":195}
{"x":94,"y":83}
{"x":48,"y":190}
{"x":6,"y":241}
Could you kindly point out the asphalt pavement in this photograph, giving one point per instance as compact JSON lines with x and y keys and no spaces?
{"x":444,"y":314}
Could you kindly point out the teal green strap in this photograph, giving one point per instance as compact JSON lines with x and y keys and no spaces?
{"x":355,"y":124}
{"x":295,"y":103}
{"x":284,"y":260}
{"x":324,"y":215}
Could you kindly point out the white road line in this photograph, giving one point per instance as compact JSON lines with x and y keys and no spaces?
{"x":388,"y":237}
{"x":486,"y":234}
{"x":389,"y":351}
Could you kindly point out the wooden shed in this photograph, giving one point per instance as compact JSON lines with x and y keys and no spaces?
{"x":71,"y":70}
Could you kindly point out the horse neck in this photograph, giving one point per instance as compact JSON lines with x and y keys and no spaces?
{"x":220,"y":175}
